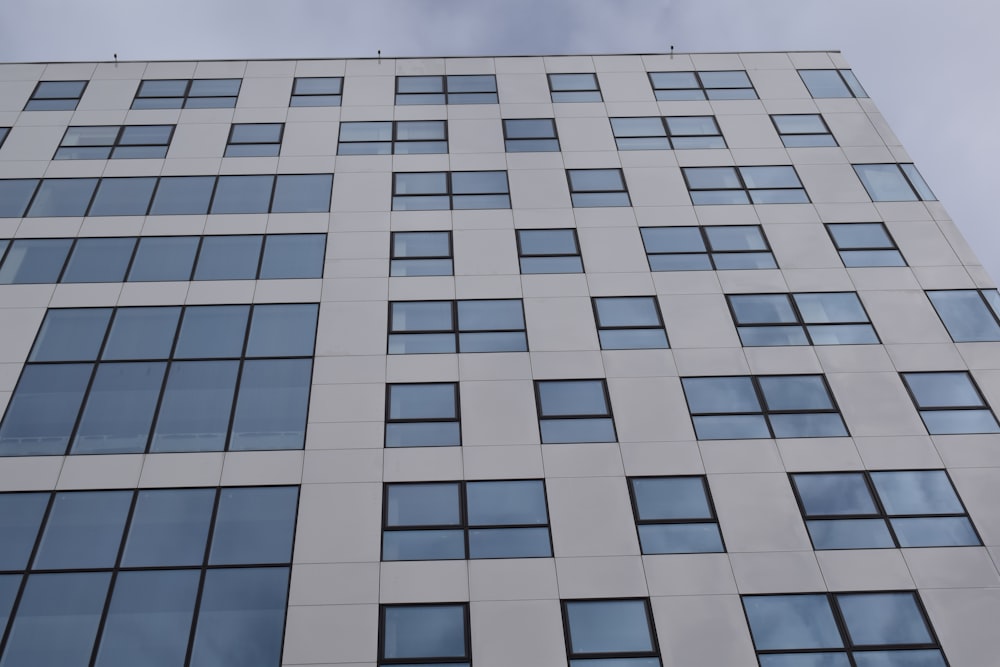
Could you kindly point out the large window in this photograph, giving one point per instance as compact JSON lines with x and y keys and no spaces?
{"x":421,"y":254}
{"x":388,"y":137}
{"x":574,"y":411}
{"x":610,"y":633}
{"x":950,"y":402}
{"x":455,"y":520}
{"x":164,"y":379}
{"x":165,"y":195}
{"x":629,"y":322}
{"x":317,"y":91}
{"x":720,"y":247}
{"x":422,"y":415}
{"x":970,"y":315}
{"x":187,"y":94}
{"x":523,"y":135}
{"x":884,"y":629}
{"x":56,"y":96}
{"x":803,"y":129}
{"x":832,"y":83}
{"x":744,"y":185}
{"x":675,"y":515}
{"x":765,"y":406}
{"x":102,"y":142}
{"x":480,"y":325}
{"x":549,"y":251}
{"x":574,"y":88}
{"x":188,"y":577}
{"x":444,"y":190}
{"x":893,"y":182}
{"x":451,"y":89}
{"x":255,"y":139}
{"x":597,"y":187}
{"x":425,"y":634}
{"x":803,"y":318}
{"x":864,"y":244}
{"x":721,"y":85}
{"x":886,"y":509}
{"x":679,"y":132}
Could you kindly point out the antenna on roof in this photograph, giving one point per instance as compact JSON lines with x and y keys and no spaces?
{"x":116,"y":60}
{"x":671,"y":50}
{"x":380,"y":56}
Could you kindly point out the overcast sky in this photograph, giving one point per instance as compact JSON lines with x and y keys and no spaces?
{"x":933,"y":68}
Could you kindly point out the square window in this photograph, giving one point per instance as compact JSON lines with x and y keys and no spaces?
{"x":451,"y":89}
{"x":802,"y":318}
{"x":804,"y":129}
{"x":894,"y":182}
{"x":442,"y":190}
{"x":679,"y":132}
{"x":429,"y":634}
{"x":865,"y":244}
{"x":421,"y":254}
{"x":56,"y":96}
{"x":483,"y":325}
{"x":388,"y":137}
{"x":102,"y":142}
{"x":720,"y":247}
{"x":575,"y":88}
{"x":744,"y":185}
{"x":254,"y":139}
{"x":549,"y":251}
{"x":675,"y":515}
{"x":597,"y":187}
{"x":610,"y":632}
{"x":629,"y":322}
{"x":823,"y":83}
{"x":574,"y":411}
{"x":317,"y":91}
{"x":523,"y":135}
{"x":969,"y":315}
{"x":950,"y":402}
{"x":422,"y":415}
{"x":187,"y":94}
{"x":721,"y":85}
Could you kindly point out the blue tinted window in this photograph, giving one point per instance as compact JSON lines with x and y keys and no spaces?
{"x":119,"y":409}
{"x":242,"y":194}
{"x":966,"y":314}
{"x":316,"y":91}
{"x":421,"y":254}
{"x":308,"y":193}
{"x":530,"y":135}
{"x":574,"y":411}
{"x":271,"y":404}
{"x":188,"y":93}
{"x":71,"y":334}
{"x":282,"y":330}
{"x":674,"y":515}
{"x":196,"y":405}
{"x":254,"y":525}
{"x":422,"y":415}
{"x":83,"y":530}
{"x":293,"y":256}
{"x":142,"y":333}
{"x":950,"y":403}
{"x":424,"y":632}
{"x":721,"y":247}
{"x":182,"y":195}
{"x":632,"y":322}
{"x":483,"y":325}
{"x":15,"y":195}
{"x":62,"y":197}
{"x":792,"y":622}
{"x":620,"y":628}
{"x":574,"y":88}
{"x":164,"y":258}
{"x":123,"y":196}
{"x":56,"y":96}
{"x":228,"y":258}
{"x":169,"y":527}
{"x":597,"y":187}
{"x":832,"y":83}
{"x":893,"y":182}
{"x":20,"y":518}
{"x":43,"y":410}
{"x":212,"y":331}
{"x":99,"y":260}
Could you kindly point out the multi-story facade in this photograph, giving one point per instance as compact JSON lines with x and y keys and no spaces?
{"x":614,"y":361}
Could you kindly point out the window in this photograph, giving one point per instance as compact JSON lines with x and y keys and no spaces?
{"x":803,"y":318}
{"x":317,"y":91}
{"x":882,"y":510}
{"x":675,"y":515}
{"x":744,"y":185}
{"x":766,"y":406}
{"x":254,"y":139}
{"x":187,"y":94}
{"x":523,"y":135}
{"x":483,"y":325}
{"x":894,"y":182}
{"x":950,"y":402}
{"x":422,"y":415}
{"x":865,"y":244}
{"x":597,"y":187}
{"x":841,"y":629}
{"x":444,"y":190}
{"x":387,"y":137}
{"x":424,"y":634}
{"x":574,"y":411}
{"x":455,"y":520}
{"x":629,"y":322}
{"x":549,"y":251}
{"x":101,"y":142}
{"x":200,"y":567}
{"x":56,"y":96}
{"x":720,"y":247}
{"x":611,"y":633}
{"x":4,"y":131}
{"x":164,"y":379}
{"x":723,"y":85}
{"x":574,"y":88}
{"x":165,"y":195}
{"x":832,"y":83}
{"x":421,"y":254}
{"x":970,"y":315}
{"x":451,"y":89}
{"x":803,"y":129}
{"x":653,"y":132}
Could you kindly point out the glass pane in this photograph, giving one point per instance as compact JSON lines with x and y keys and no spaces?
{"x":119,"y":409}
{"x":635,"y":311}
{"x":883,"y":618}
{"x":423,"y":545}
{"x":493,"y":342}
{"x":58,"y":89}
{"x":83,"y":530}
{"x":272,"y":404}
{"x":421,"y":316}
{"x":795,"y":392}
{"x":674,"y":80}
{"x":71,"y":334}
{"x":573,"y":81}
{"x":123,"y":196}
{"x":770,"y":177}
{"x":20,"y":518}
{"x":843,"y":334}
{"x":744,"y":260}
{"x":162,"y":88}
{"x":966,"y":315}
{"x":670,"y":498}
{"x":935,"y":532}
{"x":596,"y":180}
{"x":885,"y":182}
{"x":424,"y":631}
{"x":478,"y":182}
{"x":254,"y":525}
{"x":530,"y":128}
{"x":41,"y":415}
{"x":15,"y":194}
{"x":252,"y":150}
{"x":9,"y":586}
{"x":651,"y":126}
{"x":758,"y":336}
{"x":735,"y":237}
{"x":720,"y":394}
{"x":420,"y":267}
{"x":421,"y":343}
{"x":916,"y":492}
{"x":421,"y":203}
{"x":420,"y":130}
{"x":228,"y":258}
{"x":506,"y":503}
{"x":860,"y":235}
{"x":942,"y":390}
{"x":423,"y":504}
{"x":642,"y":143}
{"x":423,"y":401}
{"x":940,"y":422}
{"x":251,"y":133}
{"x":293,"y":256}
{"x":731,"y":427}
{"x":308,"y":193}
{"x":719,"y":197}
{"x":547,"y":242}
{"x":854,"y":258}
{"x":799,"y":123}
{"x":805,"y":140}
{"x":366,"y":131}
{"x":850,"y":534}
{"x":212,"y":331}
{"x":556,"y":431}
{"x":725,"y":79}
{"x":824,"y":83}
{"x":532,"y":145}
{"x":423,"y":434}
{"x":672,"y":239}
{"x":164,"y":258}
{"x":317,"y":85}
{"x":181,"y":195}
{"x":632,"y":339}
{"x":808,"y":425}
{"x":92,"y":135}
{"x":834,"y":493}
{"x":762,"y":309}
{"x":791,"y":622}
{"x":421,"y":244}
{"x":853,"y":83}
{"x":509,"y":543}
{"x":214,"y":87}
{"x":571,"y":397}
{"x":917,"y":181}
{"x":169,"y":527}
{"x":911,"y":658}
{"x":62,"y":197}
{"x":699,"y":178}
{"x":804,"y":660}
{"x":608,"y":626}
{"x":551,"y":265}
{"x":482,"y":315}
{"x":692,"y":125}
{"x":145,"y":134}
{"x":242,"y":194}
{"x":197,"y":402}
{"x":680,"y":538}
{"x":420,"y":84}
{"x":820,"y":308}
{"x":142,"y":333}
{"x":99,"y":260}
{"x":282,"y":330}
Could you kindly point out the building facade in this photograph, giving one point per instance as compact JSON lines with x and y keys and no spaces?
{"x":610,"y":361}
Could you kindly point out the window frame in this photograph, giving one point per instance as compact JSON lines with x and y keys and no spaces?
{"x":742,"y":187}
{"x":831,"y":226}
{"x":521,"y":256}
{"x":713,"y":517}
{"x":709,"y":251}
{"x":983,"y":406}
{"x":446,"y":83}
{"x":395,"y":141}
{"x":450,"y":193}
{"x":432,"y":661}
{"x":577,"y":203}
{"x":457,"y":419}
{"x":555,"y":93}
{"x":595,"y":302}
{"x":919,"y":189}
{"x":394,"y":257}
{"x":668,"y":134}
{"x":543,"y":418}
{"x":800,"y":320}
{"x":777,"y":128}
{"x":456,"y":328}
{"x":508,"y":141}
{"x":302,"y":97}
{"x":186,"y":96}
{"x":849,"y":83}
{"x":261,"y":145}
{"x":66,"y":100}
{"x":702,"y":89}
{"x":596,"y":658}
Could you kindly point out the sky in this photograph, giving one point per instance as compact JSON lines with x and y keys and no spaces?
{"x":932,"y":68}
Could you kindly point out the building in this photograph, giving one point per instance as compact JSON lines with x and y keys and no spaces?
{"x":600,"y":360}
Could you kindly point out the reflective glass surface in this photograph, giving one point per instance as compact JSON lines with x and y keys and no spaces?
{"x":169,"y":527}
{"x":608,"y":626}
{"x":99,"y":260}
{"x":791,"y":622}
{"x":419,"y":632}
{"x":562,"y":398}
{"x":83,"y":530}
{"x":254,"y":525}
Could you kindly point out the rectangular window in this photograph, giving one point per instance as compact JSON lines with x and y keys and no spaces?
{"x":187,"y":94}
{"x":823,"y":83}
{"x":722,"y":85}
{"x":451,"y":89}
{"x":803,"y":318}
{"x":56,"y":96}
{"x":610,"y":633}
{"x":597,"y":187}
{"x":194,"y":562}
{"x":744,"y":185}
{"x":678,"y":132}
{"x":425,"y":634}
{"x":483,"y":325}
{"x":969,"y":315}
{"x":720,"y":247}
{"x":524,"y":135}
{"x":883,"y":510}
{"x":254,"y":139}
{"x":575,"y":88}
{"x":950,"y":402}
{"x":421,"y":254}
{"x":449,"y":190}
{"x":675,"y":515}
{"x":422,"y":415}
{"x":102,"y":142}
{"x":388,"y":137}
{"x":864,"y":244}
{"x":887,"y":629}
{"x":164,"y":379}
{"x":574,"y":411}
{"x":457,"y":520}
{"x":549,"y":251}
{"x":629,"y":322}
{"x":803,"y":129}
{"x":765,"y":406}
{"x":894,"y":182}
{"x":317,"y":91}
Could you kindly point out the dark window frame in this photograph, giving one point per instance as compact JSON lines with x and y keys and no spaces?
{"x":456,"y":329}
{"x":542,"y":417}
{"x":777,"y":128}
{"x":75,"y":99}
{"x":983,"y":403}
{"x":116,"y":142}
{"x":573,"y":91}
{"x":521,"y":255}
{"x":465,"y":660}
{"x":800,"y":320}
{"x":894,"y":247}
{"x":457,"y":419}
{"x":702,"y":88}
{"x":450,"y":193}
{"x":668,"y":134}
{"x":710,"y":502}
{"x":743,"y":187}
{"x":709,"y":250}
{"x":395,"y":257}
{"x":186,"y":96}
{"x":509,"y":141}
{"x":597,"y":658}
{"x":277,"y":144}
{"x":660,"y":326}
{"x":395,"y":141}
{"x":303,"y":97}
{"x":445,"y":92}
